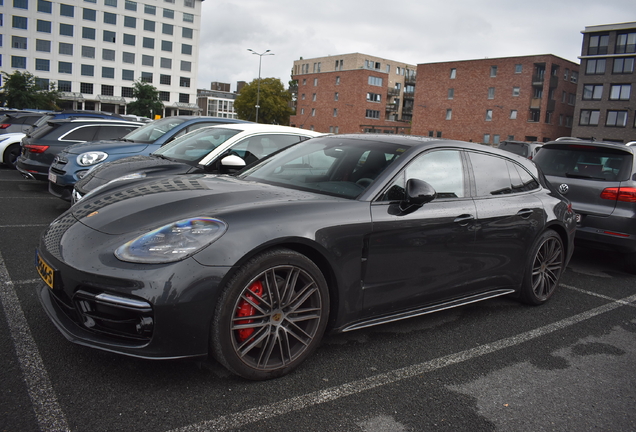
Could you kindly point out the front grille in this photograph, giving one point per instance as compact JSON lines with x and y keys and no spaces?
{"x":57,"y":171}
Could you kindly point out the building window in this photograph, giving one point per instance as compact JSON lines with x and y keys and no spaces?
{"x":21,"y":23}
{"x":20,"y":4}
{"x":491,"y":93}
{"x":493,"y":71}
{"x":165,"y":79}
{"x":18,"y":62}
{"x":129,"y":39}
{"x":188,"y":3}
{"x":148,"y":43}
{"x":86,"y":88}
{"x":453,"y":73}
{"x":149,"y":25}
{"x":513,"y":114}
{"x":595,"y":67}
{"x":335,"y":96}
{"x":66,"y":29}
{"x":147,"y":60}
{"x":589,"y":117}
{"x":108,"y":54}
{"x":371,"y":97}
{"x":187,"y":17}
{"x":45,"y":6}
{"x":18,"y":42}
{"x":128,"y":57}
{"x":186,"y":49}
{"x":566,"y":75}
{"x":168,"y":13}
{"x":620,"y":91}
{"x":127,"y":75}
{"x":592,"y":92}
{"x":110,"y":18}
{"x":42,"y":64}
{"x":625,"y":43}
{"x":167,"y":29}
{"x":184,"y":82}
{"x":574,"y":77}
{"x":449,"y":114}
{"x":616,"y":118}
{"x":112,"y":3}
{"x":65,"y":67}
{"x":623,"y":65}
{"x":88,"y":33}
{"x":518,"y":68}
{"x":486,"y":139}
{"x":166,"y":45}
{"x":130,"y":22}
{"x":64,"y":86}
{"x":127,"y":92}
{"x":87,"y":70}
{"x":516,"y":91}
{"x":109,"y":36}
{"x":165,"y":63}
{"x":184,"y":98}
{"x":67,"y":10}
{"x":373,"y":114}
{"x":374,"y":81}
{"x":146,"y":77}
{"x":186,"y":66}
{"x":108,"y":90}
{"x":187,"y":33}
{"x":335,"y":112}
{"x":337,"y":80}
{"x":164,"y":96}
{"x":130,"y":5}
{"x":598,"y":44}
{"x":150,"y":10}
{"x":41,"y":26}
{"x":43,"y":45}
{"x":451,"y":93}
{"x":108,"y":72}
{"x":89,"y":14}
{"x":488,"y":115}
{"x":315,"y":82}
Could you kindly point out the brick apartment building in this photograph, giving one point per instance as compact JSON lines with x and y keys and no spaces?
{"x":354,"y":93}
{"x":605,"y":104}
{"x":528,"y":98}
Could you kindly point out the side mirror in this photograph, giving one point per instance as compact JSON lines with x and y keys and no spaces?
{"x":232,"y":161}
{"x":418,"y":193}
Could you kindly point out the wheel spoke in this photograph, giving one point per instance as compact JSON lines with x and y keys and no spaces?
{"x":546,"y":268}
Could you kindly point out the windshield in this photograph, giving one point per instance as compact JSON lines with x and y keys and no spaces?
{"x":153,"y":131}
{"x":343,"y":168}
{"x":587,"y":162}
{"x":196,"y":145}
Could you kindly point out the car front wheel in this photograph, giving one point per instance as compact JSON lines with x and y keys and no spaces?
{"x":543,"y":269}
{"x":271,"y":315}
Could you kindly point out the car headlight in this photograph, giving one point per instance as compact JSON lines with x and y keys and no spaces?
{"x":172,"y":242}
{"x":91,"y":158}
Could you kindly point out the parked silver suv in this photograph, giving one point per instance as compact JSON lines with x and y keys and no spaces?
{"x":599,"y":179}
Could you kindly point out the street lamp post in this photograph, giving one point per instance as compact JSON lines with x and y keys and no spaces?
{"x":258,"y":85}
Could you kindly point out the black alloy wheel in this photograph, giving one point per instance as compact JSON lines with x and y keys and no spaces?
{"x":271,"y":316}
{"x":11,"y":155}
{"x":544,"y":269}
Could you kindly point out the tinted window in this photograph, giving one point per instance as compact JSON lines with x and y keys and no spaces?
{"x":256,"y":147}
{"x":520,"y":179}
{"x":491,"y":175}
{"x":155,"y":130}
{"x":579,"y":161}
{"x":113,"y":132}
{"x":85,"y":133}
{"x":195,"y":146}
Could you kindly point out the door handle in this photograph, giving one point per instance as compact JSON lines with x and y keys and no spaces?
{"x":525,"y":213}
{"x":464,"y":219}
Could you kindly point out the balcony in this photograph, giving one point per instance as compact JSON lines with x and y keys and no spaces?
{"x":409,"y":94}
{"x":393,"y":91}
{"x":407,"y":110}
{"x":410,"y":79}
{"x":535,"y":103}
{"x":391,"y":107}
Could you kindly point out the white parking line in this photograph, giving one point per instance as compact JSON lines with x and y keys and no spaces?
{"x":287,"y":406}
{"x":24,"y":226}
{"x":47,"y":410}
{"x":604,"y":297}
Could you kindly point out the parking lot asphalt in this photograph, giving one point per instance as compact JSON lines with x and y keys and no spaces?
{"x":569,"y":365}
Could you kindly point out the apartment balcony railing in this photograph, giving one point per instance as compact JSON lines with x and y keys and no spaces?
{"x":392,"y":91}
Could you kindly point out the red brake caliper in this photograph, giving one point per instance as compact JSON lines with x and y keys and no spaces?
{"x":246,"y":309}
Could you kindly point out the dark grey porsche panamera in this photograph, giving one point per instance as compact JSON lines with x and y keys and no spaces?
{"x":336,"y":233}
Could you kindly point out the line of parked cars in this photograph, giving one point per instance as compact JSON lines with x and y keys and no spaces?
{"x":248,"y":242}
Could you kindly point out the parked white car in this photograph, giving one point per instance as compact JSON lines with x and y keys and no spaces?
{"x":10,"y":148}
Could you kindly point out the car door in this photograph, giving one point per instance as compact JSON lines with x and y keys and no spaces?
{"x":425,"y":255}
{"x":509,"y":217}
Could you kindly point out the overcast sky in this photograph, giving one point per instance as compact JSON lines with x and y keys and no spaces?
{"x":409,"y":31}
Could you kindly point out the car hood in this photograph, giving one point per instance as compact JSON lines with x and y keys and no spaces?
{"x":111,"y":147}
{"x":133,"y":164}
{"x":148,"y":205}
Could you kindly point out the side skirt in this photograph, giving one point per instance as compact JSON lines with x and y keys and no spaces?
{"x":428,"y":309}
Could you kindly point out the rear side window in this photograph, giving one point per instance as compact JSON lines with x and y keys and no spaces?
{"x":498,"y":176}
{"x":586,"y":162}
{"x":85,"y":133}
{"x":113,"y":132}
{"x":520,"y":149}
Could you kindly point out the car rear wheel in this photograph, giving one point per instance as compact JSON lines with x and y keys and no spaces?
{"x":544,"y":268}
{"x":11,"y":154}
{"x":271,"y":316}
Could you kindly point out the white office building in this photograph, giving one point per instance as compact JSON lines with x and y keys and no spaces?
{"x":94,"y":50}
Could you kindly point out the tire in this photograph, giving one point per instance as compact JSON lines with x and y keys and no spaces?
{"x":11,"y":154}
{"x":543,"y":269}
{"x":271,"y":315}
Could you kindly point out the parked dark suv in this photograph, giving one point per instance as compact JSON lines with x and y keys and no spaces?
{"x":18,"y":121}
{"x":600,"y":180}
{"x":526,"y":149}
{"x":40,"y":146}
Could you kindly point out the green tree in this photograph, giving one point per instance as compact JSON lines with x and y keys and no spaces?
{"x":147,"y":103}
{"x":22,"y":90}
{"x":273,"y":101}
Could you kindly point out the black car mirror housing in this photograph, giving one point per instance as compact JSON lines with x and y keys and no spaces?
{"x":418,"y":193}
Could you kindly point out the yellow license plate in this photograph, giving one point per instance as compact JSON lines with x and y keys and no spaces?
{"x":45,"y":271}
